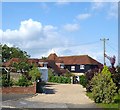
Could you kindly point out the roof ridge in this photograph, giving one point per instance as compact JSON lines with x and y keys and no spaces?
{"x":73,"y":56}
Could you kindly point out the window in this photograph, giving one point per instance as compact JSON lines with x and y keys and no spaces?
{"x":62,"y":66}
{"x":72,"y":68}
{"x":82,"y":67}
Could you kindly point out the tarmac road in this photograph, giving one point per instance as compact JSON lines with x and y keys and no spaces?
{"x":6,"y":97}
{"x":56,"y":96}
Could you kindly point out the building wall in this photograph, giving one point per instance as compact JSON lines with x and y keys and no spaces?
{"x":78,"y":70}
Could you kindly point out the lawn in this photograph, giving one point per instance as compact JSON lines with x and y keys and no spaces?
{"x":111,"y":106}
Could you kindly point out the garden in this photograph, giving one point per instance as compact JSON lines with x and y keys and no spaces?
{"x":26,"y":81}
{"x":103,"y":86}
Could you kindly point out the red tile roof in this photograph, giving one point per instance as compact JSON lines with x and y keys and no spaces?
{"x":53,"y":59}
{"x":52,"y":56}
{"x":72,"y":60}
{"x":83,"y":59}
{"x":16,"y":60}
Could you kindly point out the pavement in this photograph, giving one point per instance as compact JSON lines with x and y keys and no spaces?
{"x":55,"y":96}
{"x":6,"y":97}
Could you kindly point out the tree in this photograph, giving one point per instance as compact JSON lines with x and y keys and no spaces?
{"x":103,"y":87}
{"x":23,"y":67}
{"x":12,"y":52}
{"x":44,"y":58}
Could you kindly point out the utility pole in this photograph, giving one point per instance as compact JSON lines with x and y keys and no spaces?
{"x":104,"y":40}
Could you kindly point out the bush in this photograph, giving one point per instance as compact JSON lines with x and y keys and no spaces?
{"x":4,"y":82}
{"x":23,"y":81}
{"x":89,"y":75}
{"x":68,"y":74}
{"x":59,"y":79}
{"x":103,"y":87}
{"x":83,"y":80}
{"x":116,"y":80}
{"x":34,"y":74}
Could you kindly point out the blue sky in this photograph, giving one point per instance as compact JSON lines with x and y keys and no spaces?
{"x":41,"y":28}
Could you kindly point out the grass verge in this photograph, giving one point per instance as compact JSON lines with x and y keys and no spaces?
{"x":111,"y":106}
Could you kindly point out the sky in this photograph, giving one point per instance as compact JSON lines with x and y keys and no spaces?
{"x":64,"y":28}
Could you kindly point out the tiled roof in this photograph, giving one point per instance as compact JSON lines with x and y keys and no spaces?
{"x":53,"y":59}
{"x":16,"y":60}
{"x":52,"y":56}
{"x":72,"y":60}
{"x":83,"y":59}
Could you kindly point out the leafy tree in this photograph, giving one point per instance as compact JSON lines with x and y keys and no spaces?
{"x":44,"y":58}
{"x":23,"y":67}
{"x":34,"y":73}
{"x":12,"y":52}
{"x":104,"y":89}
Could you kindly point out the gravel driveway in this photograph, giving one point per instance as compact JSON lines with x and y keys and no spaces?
{"x":56,"y":96}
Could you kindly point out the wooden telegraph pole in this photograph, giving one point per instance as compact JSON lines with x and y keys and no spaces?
{"x":104,"y":49}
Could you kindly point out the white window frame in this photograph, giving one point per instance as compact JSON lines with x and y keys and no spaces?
{"x":62,"y":66}
{"x":72,"y":68}
{"x":82,"y":67}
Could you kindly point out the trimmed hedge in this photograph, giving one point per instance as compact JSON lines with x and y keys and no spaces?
{"x":60,"y":79}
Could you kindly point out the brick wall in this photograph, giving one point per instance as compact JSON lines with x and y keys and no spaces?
{"x":19,"y":90}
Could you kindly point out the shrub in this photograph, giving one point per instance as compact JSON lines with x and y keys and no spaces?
{"x":59,"y":79}
{"x":23,"y":81}
{"x":68,"y":74}
{"x":89,"y":75}
{"x":5,"y":82}
{"x":116,"y":76}
{"x":116,"y":80}
{"x":34,"y":74}
{"x":104,"y":89}
{"x":83,"y":80}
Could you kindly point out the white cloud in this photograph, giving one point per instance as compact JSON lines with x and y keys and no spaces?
{"x":33,"y":37}
{"x":110,"y":8}
{"x":113,"y":11}
{"x":97,"y":5}
{"x":41,"y":40}
{"x":83,"y":16}
{"x":71,"y":27}
{"x":105,"y":0}
{"x":62,"y":2}
{"x":78,"y":50}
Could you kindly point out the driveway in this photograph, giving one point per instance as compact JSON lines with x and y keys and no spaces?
{"x":55,"y":96}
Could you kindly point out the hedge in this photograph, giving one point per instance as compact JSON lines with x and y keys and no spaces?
{"x":59,"y":79}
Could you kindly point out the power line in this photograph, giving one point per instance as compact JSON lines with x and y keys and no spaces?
{"x":112,"y":47}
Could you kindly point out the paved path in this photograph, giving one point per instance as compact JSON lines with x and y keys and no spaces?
{"x":56,"y":96}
